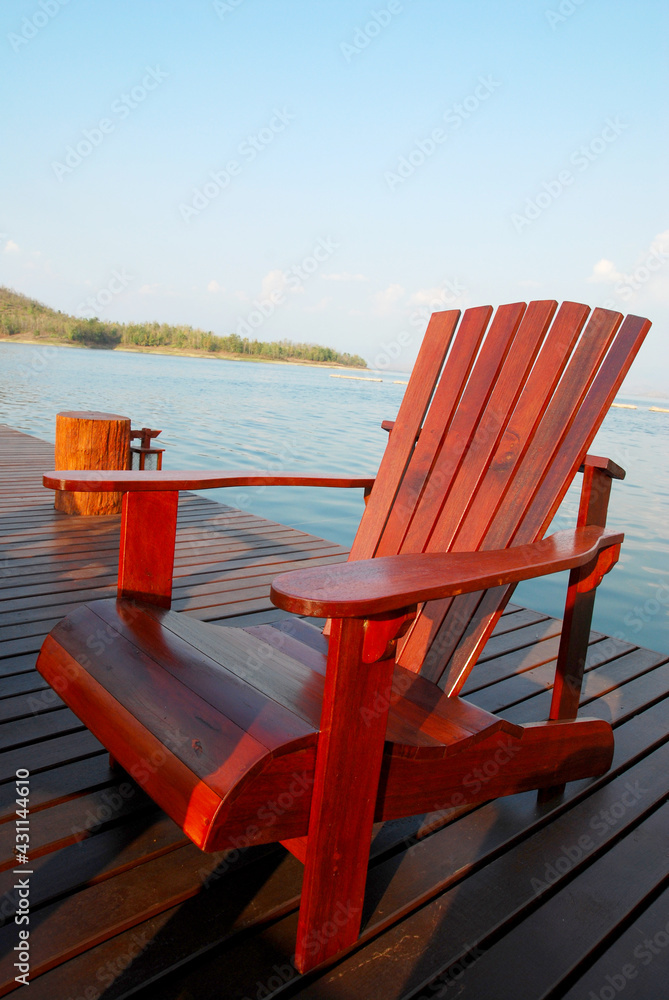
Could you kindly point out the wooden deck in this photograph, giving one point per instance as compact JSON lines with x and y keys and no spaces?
{"x":504,"y":900}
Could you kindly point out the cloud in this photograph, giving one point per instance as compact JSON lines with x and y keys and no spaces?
{"x":424,"y":296}
{"x":648,"y":274}
{"x":387,"y":301}
{"x":214,"y":287}
{"x":661,"y":242}
{"x":149,"y":289}
{"x":440,"y":297}
{"x":11,"y":247}
{"x":319,"y":306}
{"x":345,"y":276}
{"x":274,"y":281}
{"x":605,"y":271}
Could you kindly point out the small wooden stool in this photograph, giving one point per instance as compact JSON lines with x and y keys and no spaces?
{"x":91,"y":440}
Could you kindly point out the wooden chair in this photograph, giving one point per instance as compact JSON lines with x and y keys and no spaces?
{"x":219,"y":724}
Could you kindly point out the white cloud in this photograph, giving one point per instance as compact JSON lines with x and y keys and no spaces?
{"x":319,"y":306}
{"x":647,"y":275}
{"x":661,"y":242}
{"x":11,"y":247}
{"x":605,"y":271}
{"x":345,"y":276}
{"x":435,"y":299}
{"x":214,"y":287}
{"x":149,"y":289}
{"x":385,"y":302}
{"x":274,"y":281}
{"x":424,"y":296}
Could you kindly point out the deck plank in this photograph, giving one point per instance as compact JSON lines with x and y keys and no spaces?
{"x":122,"y":905}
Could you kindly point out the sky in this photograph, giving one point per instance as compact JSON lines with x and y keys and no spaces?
{"x":332,"y":171}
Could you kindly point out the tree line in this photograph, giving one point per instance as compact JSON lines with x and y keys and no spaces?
{"x":22,"y":316}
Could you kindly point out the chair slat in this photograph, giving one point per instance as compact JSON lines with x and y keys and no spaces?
{"x":587,"y":421}
{"x":493,"y":423}
{"x":435,"y":429}
{"x":412,"y":411}
{"x":545,"y":504}
{"x":540,"y":386}
{"x":420,"y":645}
{"x":533,"y":450}
{"x":458,"y":439}
{"x":546,"y":455}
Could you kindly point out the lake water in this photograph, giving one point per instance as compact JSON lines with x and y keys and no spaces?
{"x":241,"y":415}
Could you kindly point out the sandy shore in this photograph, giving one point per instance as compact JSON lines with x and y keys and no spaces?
{"x":217,"y":356}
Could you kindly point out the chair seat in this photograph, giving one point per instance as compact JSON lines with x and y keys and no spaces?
{"x":220,"y":724}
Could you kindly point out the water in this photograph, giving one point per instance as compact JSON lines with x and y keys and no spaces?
{"x":240,"y":415}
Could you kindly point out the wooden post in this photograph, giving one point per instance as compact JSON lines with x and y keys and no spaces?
{"x":91,"y":440}
{"x":146,"y":558}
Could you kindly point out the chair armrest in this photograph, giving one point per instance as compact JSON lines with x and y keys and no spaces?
{"x":376,"y":586}
{"x":168,"y":480}
{"x":149,"y":516}
{"x":607,"y":465}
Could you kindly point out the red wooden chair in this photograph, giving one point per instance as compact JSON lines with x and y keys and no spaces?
{"x":479,"y":458}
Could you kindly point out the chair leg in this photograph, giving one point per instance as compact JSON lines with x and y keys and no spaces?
{"x":570,"y":664}
{"x":573,"y":650}
{"x":572,"y":653}
{"x":348,"y":765}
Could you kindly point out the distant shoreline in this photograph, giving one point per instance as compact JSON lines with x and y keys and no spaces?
{"x":176,"y":352}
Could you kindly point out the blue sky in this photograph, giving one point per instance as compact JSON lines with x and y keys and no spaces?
{"x":332,"y":171}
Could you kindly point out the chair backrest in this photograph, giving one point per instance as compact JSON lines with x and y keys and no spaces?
{"x":495,"y":422}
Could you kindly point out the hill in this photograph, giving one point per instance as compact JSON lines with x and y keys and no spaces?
{"x":22,"y":318}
